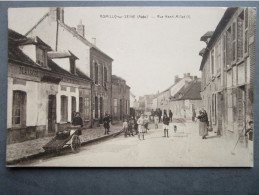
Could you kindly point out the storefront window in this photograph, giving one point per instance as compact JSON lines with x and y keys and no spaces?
{"x":64,"y":108}
{"x":19,"y":109}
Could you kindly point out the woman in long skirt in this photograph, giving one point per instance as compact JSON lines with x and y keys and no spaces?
{"x":203,"y":124}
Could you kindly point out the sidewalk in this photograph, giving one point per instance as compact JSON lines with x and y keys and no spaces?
{"x":32,"y":147}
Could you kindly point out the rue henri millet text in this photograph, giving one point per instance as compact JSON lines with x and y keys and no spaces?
{"x":140,"y":16}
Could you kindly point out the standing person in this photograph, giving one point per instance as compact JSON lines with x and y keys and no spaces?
{"x":156,"y":119}
{"x":166,"y":121}
{"x":146,"y":124}
{"x":125,"y":127}
{"x":249,"y":133}
{"x":131,"y":126}
{"x":141,"y":127}
{"x":78,"y":121}
{"x":203,"y":124}
{"x":135,"y":126}
{"x":159,"y":114}
{"x":171,"y":115}
{"x":106,"y":124}
{"x":193,"y":115}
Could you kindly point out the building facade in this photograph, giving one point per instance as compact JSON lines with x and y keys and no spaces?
{"x":187,"y":100}
{"x":227,"y":67}
{"x":92,"y":62}
{"x":120,"y":98}
{"x":44,"y":89}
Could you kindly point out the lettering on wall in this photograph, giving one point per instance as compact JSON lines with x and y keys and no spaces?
{"x":28,"y":71}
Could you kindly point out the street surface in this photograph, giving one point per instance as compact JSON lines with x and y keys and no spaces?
{"x":181,"y":149}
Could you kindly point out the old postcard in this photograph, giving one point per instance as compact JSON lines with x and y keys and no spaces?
{"x":131,"y":86}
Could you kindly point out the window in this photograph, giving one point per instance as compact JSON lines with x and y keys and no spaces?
{"x":105,"y":74}
{"x":212,"y":63}
{"x":102,"y":75}
{"x":96,"y":107}
{"x":87,"y":108}
{"x":19,"y":109}
{"x":224,"y":51}
{"x":72,"y":66}
{"x":228,"y":47}
{"x":240,"y":24}
{"x":96,"y":73}
{"x":234,"y":41}
{"x":81,"y":106}
{"x":64,"y":108}
{"x":40,"y":56}
{"x":246,"y":31}
{"x":115,"y":104}
{"x":218,"y":56}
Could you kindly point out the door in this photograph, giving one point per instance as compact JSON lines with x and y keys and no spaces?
{"x":51,"y":113}
{"x":220,"y":107}
{"x":73,"y":107}
{"x":101,"y":110}
{"x":121,"y":114}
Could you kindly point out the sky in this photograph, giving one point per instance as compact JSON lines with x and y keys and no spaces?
{"x":149,"y":49}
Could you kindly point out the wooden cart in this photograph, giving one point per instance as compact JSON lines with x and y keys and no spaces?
{"x":68,"y":137}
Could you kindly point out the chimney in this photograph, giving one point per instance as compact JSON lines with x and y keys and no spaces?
{"x":94,"y":41}
{"x":195,"y":77}
{"x":188,"y":74}
{"x":56,"y":13}
{"x":176,"y":78}
{"x":184,"y":75}
{"x":81,"y":29}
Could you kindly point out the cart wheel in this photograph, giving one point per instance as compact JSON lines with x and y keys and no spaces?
{"x":76,"y":143}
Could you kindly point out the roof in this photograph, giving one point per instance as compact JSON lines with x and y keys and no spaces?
{"x":15,"y":54}
{"x":221,"y":25}
{"x":115,"y":77}
{"x":82,"y":39}
{"x":207,"y":35}
{"x":72,"y":31}
{"x":61,"y":54}
{"x":202,"y":52}
{"x":190,"y":91}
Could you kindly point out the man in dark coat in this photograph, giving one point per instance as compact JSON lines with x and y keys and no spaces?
{"x":77,"y":121}
{"x":106,"y":123}
{"x":171,"y":115}
{"x":166,"y":121}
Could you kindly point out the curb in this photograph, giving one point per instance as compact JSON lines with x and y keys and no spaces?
{"x":41,"y":154}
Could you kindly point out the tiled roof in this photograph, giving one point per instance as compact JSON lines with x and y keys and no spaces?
{"x":16,"y":54}
{"x":81,"y":38}
{"x":189,"y":91}
{"x":61,"y":54}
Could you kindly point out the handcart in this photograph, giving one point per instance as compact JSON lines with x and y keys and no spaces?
{"x":68,"y":137}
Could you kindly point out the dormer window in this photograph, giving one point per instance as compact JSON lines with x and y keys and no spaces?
{"x":40,"y":56}
{"x":73,"y":65}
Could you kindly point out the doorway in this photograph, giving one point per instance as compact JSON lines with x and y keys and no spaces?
{"x":51,"y":113}
{"x":73,"y":107}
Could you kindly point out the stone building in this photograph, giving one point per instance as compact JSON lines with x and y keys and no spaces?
{"x":120,"y":98}
{"x":44,"y":88}
{"x":228,"y":65}
{"x":92,"y":61}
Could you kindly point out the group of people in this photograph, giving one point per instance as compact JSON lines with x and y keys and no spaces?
{"x":140,"y":126}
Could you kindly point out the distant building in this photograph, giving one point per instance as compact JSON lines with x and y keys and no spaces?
{"x":187,"y":100}
{"x":162,"y":100}
{"x":45,"y":87}
{"x":92,"y":61}
{"x":121,"y":98}
{"x":227,"y":67}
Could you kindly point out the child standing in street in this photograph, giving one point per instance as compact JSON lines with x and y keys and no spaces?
{"x":166,"y":121}
{"x":250,"y":135}
{"x":156,"y":119}
{"x":125,"y":127}
{"x":141,"y":127}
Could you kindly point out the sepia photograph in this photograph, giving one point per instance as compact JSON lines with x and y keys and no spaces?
{"x":131,"y":86}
